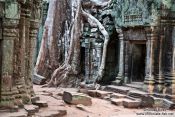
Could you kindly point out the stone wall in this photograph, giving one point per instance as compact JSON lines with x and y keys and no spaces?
{"x":20,"y":26}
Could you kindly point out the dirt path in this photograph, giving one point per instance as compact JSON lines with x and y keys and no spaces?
{"x":99,"y":108}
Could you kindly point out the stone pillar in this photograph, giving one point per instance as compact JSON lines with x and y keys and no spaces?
{"x":32,"y":31}
{"x":87,"y":60}
{"x":149,"y":68}
{"x":10,"y":35}
{"x":20,"y":54}
{"x":169,"y":71}
{"x":99,"y":53}
{"x":126,"y":59}
{"x":159,"y":78}
{"x":120,"y":76}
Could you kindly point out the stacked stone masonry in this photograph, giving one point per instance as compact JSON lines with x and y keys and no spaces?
{"x":20,"y":21}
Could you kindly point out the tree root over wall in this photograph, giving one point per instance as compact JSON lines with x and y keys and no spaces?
{"x":68,"y":74}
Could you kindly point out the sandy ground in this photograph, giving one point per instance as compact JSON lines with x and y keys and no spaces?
{"x":99,"y":108}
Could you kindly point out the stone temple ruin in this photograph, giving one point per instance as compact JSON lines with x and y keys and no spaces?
{"x":18,"y":32}
{"x":141,"y":51}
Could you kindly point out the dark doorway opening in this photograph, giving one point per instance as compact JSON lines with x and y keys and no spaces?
{"x":82,"y":61}
{"x":1,"y":37}
{"x":137,"y":62}
{"x":111,"y":68}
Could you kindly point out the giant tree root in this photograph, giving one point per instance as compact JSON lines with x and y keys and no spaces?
{"x":62,"y":76}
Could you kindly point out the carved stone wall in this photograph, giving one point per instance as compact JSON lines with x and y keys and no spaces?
{"x":20,"y":24}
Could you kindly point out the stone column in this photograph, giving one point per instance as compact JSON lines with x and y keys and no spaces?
{"x":87,"y":60}
{"x":32,"y":31}
{"x":120,"y":78}
{"x":10,"y":36}
{"x":149,"y":68}
{"x":99,"y":53}
{"x":159,"y":78}
{"x":126,"y":58}
{"x":169,"y":71}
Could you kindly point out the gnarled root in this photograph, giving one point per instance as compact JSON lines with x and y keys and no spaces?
{"x":62,"y":76}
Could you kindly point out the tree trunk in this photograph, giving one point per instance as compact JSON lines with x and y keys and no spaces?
{"x":68,"y":73}
{"x":49,"y":57}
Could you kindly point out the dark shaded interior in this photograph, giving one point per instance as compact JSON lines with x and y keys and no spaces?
{"x":137,"y":62}
{"x":0,"y":54}
{"x":111,"y":68}
{"x":82,"y":61}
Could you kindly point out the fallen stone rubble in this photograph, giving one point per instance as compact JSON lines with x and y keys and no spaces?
{"x":82,"y":98}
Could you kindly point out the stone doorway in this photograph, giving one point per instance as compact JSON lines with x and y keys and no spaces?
{"x":112,"y":59}
{"x":137,"y":61}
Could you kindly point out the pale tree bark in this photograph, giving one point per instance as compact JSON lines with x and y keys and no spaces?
{"x":50,"y":54}
{"x":68,"y":73}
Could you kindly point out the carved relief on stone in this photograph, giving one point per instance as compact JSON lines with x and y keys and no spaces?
{"x":36,"y":9}
{"x":12,"y":10}
{"x":132,"y":12}
{"x":7,"y":81}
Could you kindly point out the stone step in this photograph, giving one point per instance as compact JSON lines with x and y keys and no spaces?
{"x":168,"y":104}
{"x":31,"y":109}
{"x":118,"y":102}
{"x":118,"y":89}
{"x":131,"y":103}
{"x":158,"y":102}
{"x":41,"y":103}
{"x":137,"y":94}
{"x":136,"y":85}
{"x":35,"y":98}
{"x":51,"y":113}
{"x":117,"y":95}
{"x":99,"y":93}
{"x":20,"y":113}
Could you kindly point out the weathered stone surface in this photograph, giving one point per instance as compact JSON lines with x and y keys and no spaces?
{"x":20,"y":113}
{"x":76,"y":98}
{"x":137,"y":94}
{"x":147,"y":101}
{"x":168,"y":104}
{"x":117,"y":89}
{"x":34,"y":99}
{"x":117,"y":95}
{"x":92,"y":93}
{"x":41,"y":103}
{"x":81,"y":107}
{"x":31,"y":109}
{"x":102,"y":94}
{"x":51,"y":113}
{"x":38,"y":79}
{"x":158,"y":102}
{"x":118,"y":102}
{"x":131,"y":103}
{"x":82,"y":90}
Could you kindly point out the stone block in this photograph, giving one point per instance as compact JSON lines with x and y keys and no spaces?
{"x":158,"y":102}
{"x":147,"y":101}
{"x":117,"y":95}
{"x":31,"y":109}
{"x":102,"y":94}
{"x":118,"y":102}
{"x":38,"y":79}
{"x":52,"y":113}
{"x":35,"y":98}
{"x":41,"y":103}
{"x":131,"y":103}
{"x":76,"y":98}
{"x":168,"y":104}
{"x":118,"y":89}
{"x":92,"y":93}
